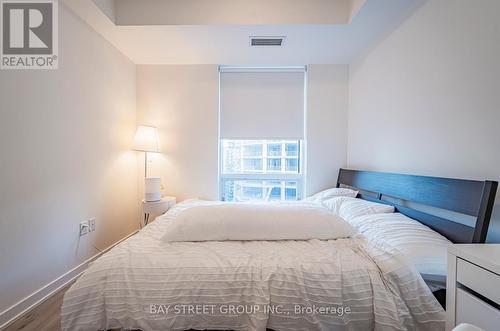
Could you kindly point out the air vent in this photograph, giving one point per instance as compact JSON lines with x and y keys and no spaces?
{"x":267,"y":41}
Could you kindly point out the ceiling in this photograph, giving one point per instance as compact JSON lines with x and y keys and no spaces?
{"x":167,"y":32}
{"x":234,"y":12}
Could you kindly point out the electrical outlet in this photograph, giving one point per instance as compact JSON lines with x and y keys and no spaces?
{"x":84,"y":228}
{"x":92,"y":224}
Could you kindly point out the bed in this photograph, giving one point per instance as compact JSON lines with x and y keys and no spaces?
{"x":343,"y":284}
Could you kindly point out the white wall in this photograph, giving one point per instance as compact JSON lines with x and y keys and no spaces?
{"x":65,"y":138}
{"x":426,"y":100}
{"x":182,"y":101}
{"x":327,"y":105}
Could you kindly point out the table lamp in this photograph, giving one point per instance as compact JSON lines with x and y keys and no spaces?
{"x":146,"y":140}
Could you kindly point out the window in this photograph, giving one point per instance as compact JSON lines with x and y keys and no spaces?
{"x":274,"y":164}
{"x":274,"y":149}
{"x":291,"y":149}
{"x":266,"y":170}
{"x":251,"y":149}
{"x":261,"y":128}
{"x":292,"y":164}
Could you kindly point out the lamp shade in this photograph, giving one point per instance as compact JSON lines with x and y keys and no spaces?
{"x":146,"y":139}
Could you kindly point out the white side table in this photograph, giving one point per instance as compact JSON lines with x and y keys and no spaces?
{"x":473,"y":286}
{"x":157,"y":207}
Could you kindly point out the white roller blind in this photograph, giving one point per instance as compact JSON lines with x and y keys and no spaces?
{"x":265,"y":104}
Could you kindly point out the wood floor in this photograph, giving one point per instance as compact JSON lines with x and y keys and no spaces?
{"x":45,"y":317}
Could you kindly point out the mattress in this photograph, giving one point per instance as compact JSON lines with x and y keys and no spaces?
{"x":344,"y":284}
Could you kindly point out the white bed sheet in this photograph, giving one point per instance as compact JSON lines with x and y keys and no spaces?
{"x":132,"y":286}
{"x":425,"y":248}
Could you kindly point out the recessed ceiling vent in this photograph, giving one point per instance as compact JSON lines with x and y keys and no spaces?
{"x":267,"y":41}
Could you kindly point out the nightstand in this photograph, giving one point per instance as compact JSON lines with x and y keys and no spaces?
{"x":473,"y":286}
{"x":157,"y":207}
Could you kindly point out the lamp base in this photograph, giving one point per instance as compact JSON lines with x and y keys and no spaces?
{"x":152,"y":197}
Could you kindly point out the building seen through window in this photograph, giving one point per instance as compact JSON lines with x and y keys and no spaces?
{"x":266,"y":170}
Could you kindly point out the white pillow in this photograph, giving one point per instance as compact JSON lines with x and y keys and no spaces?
{"x":349,"y":208}
{"x":331,"y":193}
{"x":422,"y":246}
{"x":333,"y":204}
{"x":244,"y":221}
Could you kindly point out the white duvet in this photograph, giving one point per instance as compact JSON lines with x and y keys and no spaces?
{"x":344,"y":284}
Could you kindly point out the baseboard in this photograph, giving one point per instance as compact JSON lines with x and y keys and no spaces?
{"x":15,"y":311}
